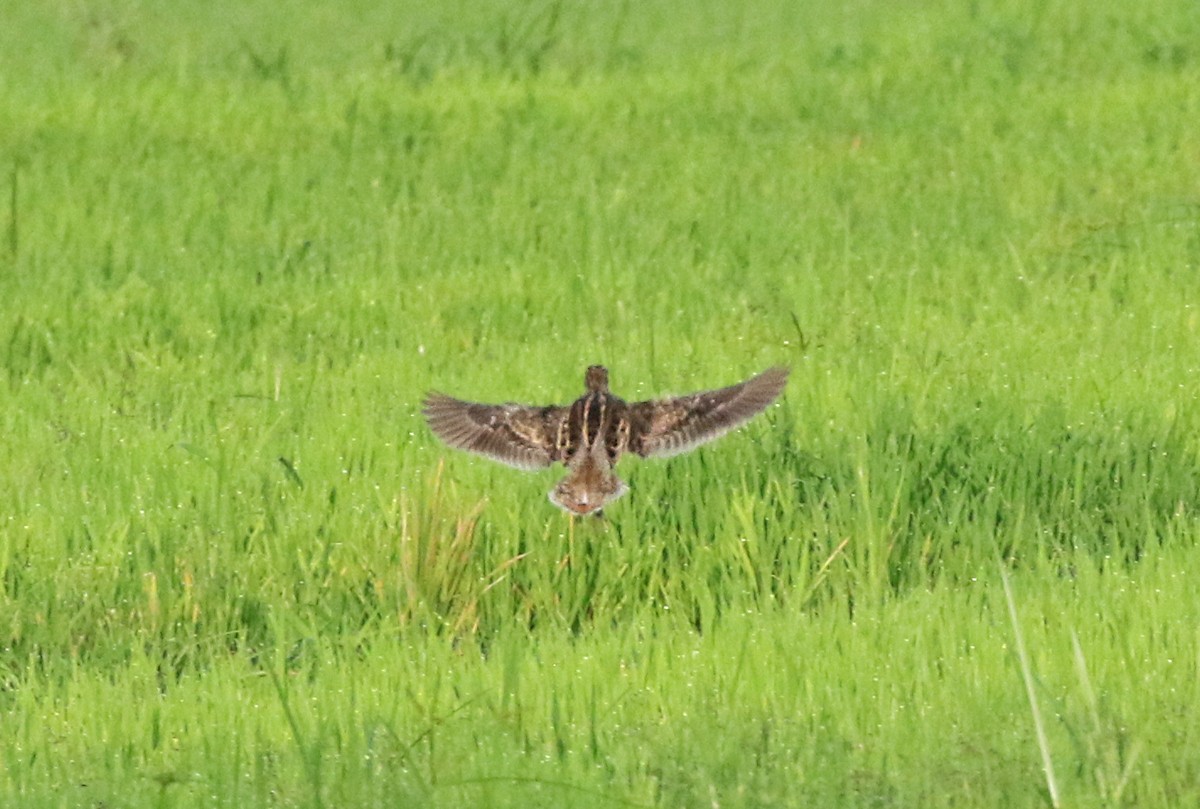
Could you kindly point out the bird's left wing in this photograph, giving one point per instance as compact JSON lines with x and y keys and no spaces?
{"x":518,"y":435}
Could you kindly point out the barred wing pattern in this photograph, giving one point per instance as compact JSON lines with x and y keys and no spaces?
{"x":669,"y":427}
{"x":518,"y":435}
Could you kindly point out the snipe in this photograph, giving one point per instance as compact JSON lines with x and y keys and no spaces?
{"x":589,"y":435}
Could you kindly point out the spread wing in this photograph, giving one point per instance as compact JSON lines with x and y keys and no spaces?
{"x":518,"y":435}
{"x":670,"y":426}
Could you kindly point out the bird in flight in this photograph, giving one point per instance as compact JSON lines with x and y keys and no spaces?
{"x":590,"y":434}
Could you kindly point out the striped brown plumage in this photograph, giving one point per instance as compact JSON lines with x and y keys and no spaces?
{"x":590,"y":435}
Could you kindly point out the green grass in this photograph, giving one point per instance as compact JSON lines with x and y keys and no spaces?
{"x":238,"y":242}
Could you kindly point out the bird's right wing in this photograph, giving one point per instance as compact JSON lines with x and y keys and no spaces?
{"x":666,"y":427}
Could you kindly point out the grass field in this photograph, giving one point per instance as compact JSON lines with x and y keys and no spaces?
{"x":239,"y":241}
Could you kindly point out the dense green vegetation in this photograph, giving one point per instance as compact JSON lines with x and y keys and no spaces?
{"x":239,"y":241}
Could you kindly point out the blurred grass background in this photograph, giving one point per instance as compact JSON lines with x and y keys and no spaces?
{"x":241,"y":241}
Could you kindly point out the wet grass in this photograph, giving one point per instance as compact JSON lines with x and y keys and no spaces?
{"x":235,"y":569}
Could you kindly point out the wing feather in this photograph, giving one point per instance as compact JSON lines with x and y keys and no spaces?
{"x":667,"y":427}
{"x":517,"y":435}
